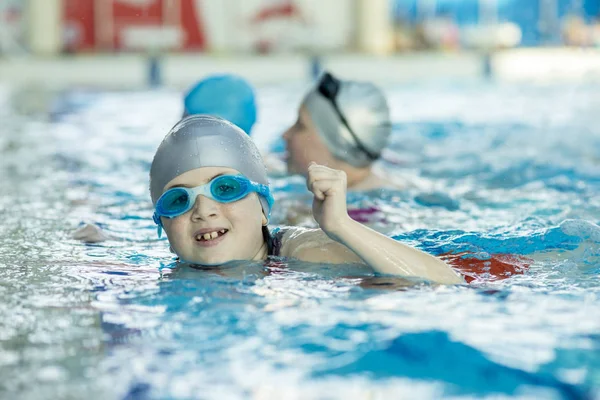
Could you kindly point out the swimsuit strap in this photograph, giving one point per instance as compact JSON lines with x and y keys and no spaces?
{"x":277,"y":241}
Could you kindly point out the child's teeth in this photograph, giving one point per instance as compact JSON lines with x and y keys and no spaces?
{"x":210,"y":235}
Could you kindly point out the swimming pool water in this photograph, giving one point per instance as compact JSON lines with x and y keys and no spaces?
{"x":490,"y":169}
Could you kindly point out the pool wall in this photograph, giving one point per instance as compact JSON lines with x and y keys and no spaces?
{"x":570,"y":65}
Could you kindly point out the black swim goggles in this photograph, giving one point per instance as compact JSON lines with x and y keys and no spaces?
{"x":329,"y":86}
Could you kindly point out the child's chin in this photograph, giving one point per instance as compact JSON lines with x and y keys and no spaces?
{"x":212,"y":261}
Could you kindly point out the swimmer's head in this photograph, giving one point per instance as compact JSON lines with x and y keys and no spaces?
{"x":205,"y":141}
{"x":226,"y":96}
{"x":351,"y":120}
{"x":211,"y":229}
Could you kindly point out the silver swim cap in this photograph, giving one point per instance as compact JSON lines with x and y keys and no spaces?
{"x":205,"y":141}
{"x":366,"y":111}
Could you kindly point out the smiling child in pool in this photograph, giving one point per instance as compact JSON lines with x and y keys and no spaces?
{"x":211,"y":196}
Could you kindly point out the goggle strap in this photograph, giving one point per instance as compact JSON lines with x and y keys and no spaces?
{"x":329,"y":87}
{"x":156,"y":220}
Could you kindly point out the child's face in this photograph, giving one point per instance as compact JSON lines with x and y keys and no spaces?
{"x":238,"y":224}
{"x":304,"y":145}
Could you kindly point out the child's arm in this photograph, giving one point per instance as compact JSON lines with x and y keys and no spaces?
{"x":353,"y":241}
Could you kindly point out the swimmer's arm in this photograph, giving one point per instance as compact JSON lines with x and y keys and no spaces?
{"x":383,"y":254}
{"x":358,"y":243}
{"x":388,"y":256}
{"x":90,"y":233}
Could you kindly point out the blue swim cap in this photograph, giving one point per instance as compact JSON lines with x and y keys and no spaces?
{"x":226,"y":96}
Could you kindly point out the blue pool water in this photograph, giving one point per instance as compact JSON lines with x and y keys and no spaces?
{"x":490,"y":169}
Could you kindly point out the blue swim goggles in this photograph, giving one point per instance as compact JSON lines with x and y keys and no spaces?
{"x":224,"y":189}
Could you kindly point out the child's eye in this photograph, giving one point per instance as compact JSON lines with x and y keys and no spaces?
{"x":180,"y":200}
{"x":225,"y":188}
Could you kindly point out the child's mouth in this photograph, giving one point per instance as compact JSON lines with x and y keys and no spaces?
{"x":210,"y":236}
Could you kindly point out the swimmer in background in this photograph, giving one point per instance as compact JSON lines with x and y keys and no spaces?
{"x":344,"y":125}
{"x":225,"y":96}
{"x":230,"y":97}
{"x":210,"y":191}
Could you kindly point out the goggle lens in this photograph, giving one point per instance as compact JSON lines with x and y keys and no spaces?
{"x":174,"y":201}
{"x":228,"y":188}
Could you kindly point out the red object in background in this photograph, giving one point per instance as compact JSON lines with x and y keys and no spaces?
{"x":126,"y":14}
{"x":193,"y":28}
{"x":99,"y":24}
{"x":79,"y":25}
{"x":274,"y":11}
{"x":497,"y":267}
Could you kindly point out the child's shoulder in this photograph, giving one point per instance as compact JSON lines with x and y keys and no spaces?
{"x":293,"y":239}
{"x":313,"y":245}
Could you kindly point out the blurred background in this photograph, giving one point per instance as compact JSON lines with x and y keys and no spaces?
{"x":80,"y":41}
